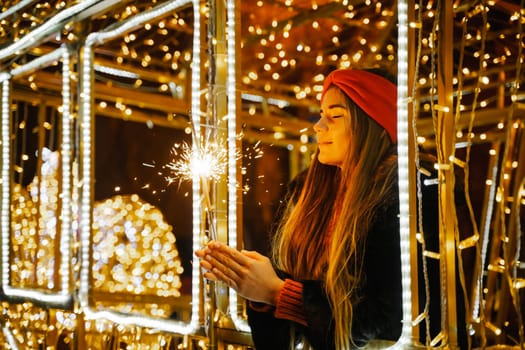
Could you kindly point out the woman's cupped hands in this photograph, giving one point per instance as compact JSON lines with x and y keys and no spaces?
{"x":249,"y":273}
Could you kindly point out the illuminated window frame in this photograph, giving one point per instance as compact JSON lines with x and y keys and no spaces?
{"x":86,"y":197}
{"x":64,"y":296}
{"x":402,"y":111}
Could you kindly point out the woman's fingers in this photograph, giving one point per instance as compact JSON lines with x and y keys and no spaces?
{"x":226,"y":278}
{"x":200,"y":253}
{"x":209,"y":273}
{"x":249,"y":273}
{"x":206,"y":265}
{"x":234,"y":254}
{"x":224,"y":267}
{"x":210,"y":276}
{"x":218,"y":265}
{"x":229,"y":258}
{"x":226,"y":264}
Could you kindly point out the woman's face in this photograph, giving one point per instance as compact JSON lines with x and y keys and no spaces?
{"x":333,"y":138}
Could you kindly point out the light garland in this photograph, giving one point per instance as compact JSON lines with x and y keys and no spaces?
{"x":130,"y":237}
{"x":134,"y":252}
{"x":81,"y":10}
{"x":63,"y":297}
{"x":87,"y":122}
{"x":6,"y":179}
{"x":66,"y":152}
{"x":404,"y":172}
{"x":272,"y":42}
{"x":490,"y":72}
{"x":196,"y":109}
{"x":233,"y":187}
{"x":15,"y":8}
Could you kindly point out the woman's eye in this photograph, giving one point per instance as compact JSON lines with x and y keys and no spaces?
{"x":337,"y":116}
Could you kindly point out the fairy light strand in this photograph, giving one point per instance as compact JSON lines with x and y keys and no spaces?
{"x":403,"y":168}
{"x":64,"y":295}
{"x":477,"y":90}
{"x":15,"y":8}
{"x":424,"y":314}
{"x":240,"y":323}
{"x":511,"y":274}
{"x":6,"y":179}
{"x":98,"y":38}
{"x":66,"y":230}
{"x":5,"y":77}
{"x":54,"y":25}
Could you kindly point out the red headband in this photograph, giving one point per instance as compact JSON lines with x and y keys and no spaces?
{"x":375,"y":95}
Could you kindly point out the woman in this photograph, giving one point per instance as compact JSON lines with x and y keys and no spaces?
{"x":334,"y":281}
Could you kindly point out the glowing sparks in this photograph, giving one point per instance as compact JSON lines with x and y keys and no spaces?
{"x":206,"y":162}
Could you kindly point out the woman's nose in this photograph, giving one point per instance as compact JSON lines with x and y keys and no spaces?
{"x":320,"y":125}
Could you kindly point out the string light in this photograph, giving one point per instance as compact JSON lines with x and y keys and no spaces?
{"x":86,"y":119}
{"x":134,"y":251}
{"x":80,"y":10}
{"x":48,"y":201}
{"x":403,"y":166}
{"x":276,"y":55}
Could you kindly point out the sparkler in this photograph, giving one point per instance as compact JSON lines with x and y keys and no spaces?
{"x":204,"y":161}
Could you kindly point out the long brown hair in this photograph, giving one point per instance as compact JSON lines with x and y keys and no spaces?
{"x":342,"y":201}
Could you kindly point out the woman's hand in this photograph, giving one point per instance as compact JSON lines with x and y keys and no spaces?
{"x":249,"y":273}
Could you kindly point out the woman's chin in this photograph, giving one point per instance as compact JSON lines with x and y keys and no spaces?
{"x":328,"y":161}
